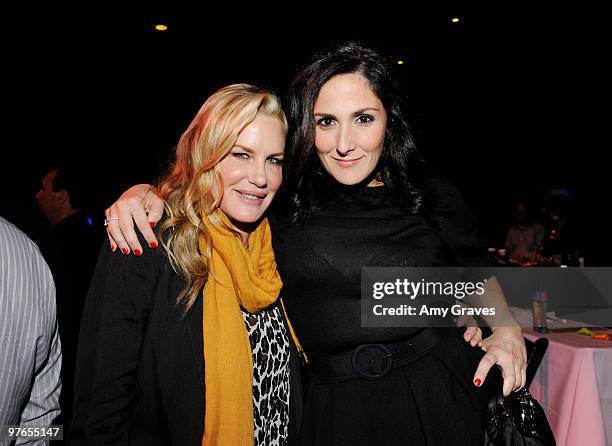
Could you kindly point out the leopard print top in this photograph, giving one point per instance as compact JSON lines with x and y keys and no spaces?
{"x":271,"y":374}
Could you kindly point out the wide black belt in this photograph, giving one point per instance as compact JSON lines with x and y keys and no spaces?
{"x":373,"y":361}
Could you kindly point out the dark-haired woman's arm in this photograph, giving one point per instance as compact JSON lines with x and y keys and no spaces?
{"x":456,"y":226}
{"x":139,"y":204}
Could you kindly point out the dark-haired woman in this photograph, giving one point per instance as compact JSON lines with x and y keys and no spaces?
{"x":357,"y":197}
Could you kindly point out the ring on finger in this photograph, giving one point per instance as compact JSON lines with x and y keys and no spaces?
{"x":108,"y":220}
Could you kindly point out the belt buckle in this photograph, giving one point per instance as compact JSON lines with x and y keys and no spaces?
{"x":371,"y":361}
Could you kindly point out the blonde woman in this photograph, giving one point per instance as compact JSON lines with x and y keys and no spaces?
{"x":188,"y":344}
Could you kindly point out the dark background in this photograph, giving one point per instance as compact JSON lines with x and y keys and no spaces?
{"x":509,"y":102}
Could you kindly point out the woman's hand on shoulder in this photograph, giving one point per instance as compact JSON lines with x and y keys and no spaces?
{"x":506,"y":348}
{"x":138,"y":204}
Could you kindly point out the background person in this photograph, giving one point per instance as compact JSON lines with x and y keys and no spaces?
{"x":30,"y":347}
{"x":524,"y":239}
{"x":71,"y":248}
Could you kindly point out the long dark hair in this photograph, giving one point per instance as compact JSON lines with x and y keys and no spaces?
{"x":401,"y":166}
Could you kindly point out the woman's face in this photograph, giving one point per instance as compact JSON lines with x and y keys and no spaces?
{"x":252,"y":172}
{"x":350,"y":128}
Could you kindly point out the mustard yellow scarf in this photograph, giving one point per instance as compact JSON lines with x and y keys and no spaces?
{"x":238,"y":277}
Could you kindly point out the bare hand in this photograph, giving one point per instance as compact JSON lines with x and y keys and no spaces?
{"x":473,"y":335}
{"x":506,"y":348}
{"x":138,"y":204}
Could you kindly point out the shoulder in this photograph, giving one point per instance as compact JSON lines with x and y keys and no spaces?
{"x":27,"y":284}
{"x":150,"y":267}
{"x":77,"y":226}
{"x":21,"y":259}
{"x":439,"y":186}
{"x":280,"y":221}
{"x":442,"y":197}
{"x":125,"y":288}
{"x":15,"y":243}
{"x":455,"y":223}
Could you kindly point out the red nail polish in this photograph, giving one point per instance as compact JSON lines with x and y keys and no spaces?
{"x":113,"y":248}
{"x":152,"y":224}
{"x":153,"y":245}
{"x":137,"y":252}
{"x":125,"y":250}
{"x":477,"y":382}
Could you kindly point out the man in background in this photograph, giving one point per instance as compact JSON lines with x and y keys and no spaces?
{"x":30,"y":349}
{"x":524,"y":239}
{"x":71,"y":249}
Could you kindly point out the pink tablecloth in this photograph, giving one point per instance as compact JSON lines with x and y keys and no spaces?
{"x":574,"y":385}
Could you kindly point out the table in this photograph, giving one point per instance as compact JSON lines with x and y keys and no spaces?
{"x":574,"y":386}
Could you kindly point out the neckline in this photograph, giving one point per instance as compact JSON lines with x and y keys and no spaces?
{"x":333,"y":186}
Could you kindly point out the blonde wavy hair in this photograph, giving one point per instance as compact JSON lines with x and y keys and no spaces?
{"x":187,"y":186}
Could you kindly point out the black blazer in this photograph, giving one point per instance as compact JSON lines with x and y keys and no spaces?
{"x":140,"y":365}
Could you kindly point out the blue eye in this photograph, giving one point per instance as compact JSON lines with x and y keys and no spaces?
{"x":241,"y":155}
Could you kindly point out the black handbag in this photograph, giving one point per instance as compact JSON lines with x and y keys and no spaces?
{"x":517,"y":420}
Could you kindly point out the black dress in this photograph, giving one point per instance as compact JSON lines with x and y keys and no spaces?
{"x":431,"y":401}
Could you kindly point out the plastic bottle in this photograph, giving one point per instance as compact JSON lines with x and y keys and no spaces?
{"x":540,"y":301}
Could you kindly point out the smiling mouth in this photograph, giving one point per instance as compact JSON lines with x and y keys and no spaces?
{"x":347,"y":163}
{"x":251,"y":197}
